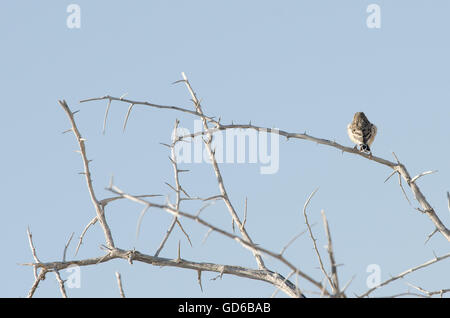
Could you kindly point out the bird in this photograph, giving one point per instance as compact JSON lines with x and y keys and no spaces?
{"x":362,"y":132}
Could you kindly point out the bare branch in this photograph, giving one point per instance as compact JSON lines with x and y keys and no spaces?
{"x":61,"y":284}
{"x":243,"y":242}
{"x":33,"y":249}
{"x":177,"y":189}
{"x":334,"y":275}
{"x":400,"y":168}
{"x":115,"y":253}
{"x":37,"y":281}
{"x":210,"y":119}
{"x":222,"y":188}
{"x":95,"y":202}
{"x":313,"y":239}
{"x":430,"y":293}
{"x":292,"y":240}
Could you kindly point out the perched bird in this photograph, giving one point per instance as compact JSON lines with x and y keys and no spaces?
{"x":362,"y":132}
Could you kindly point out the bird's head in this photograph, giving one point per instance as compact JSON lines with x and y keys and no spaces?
{"x":359,"y":116}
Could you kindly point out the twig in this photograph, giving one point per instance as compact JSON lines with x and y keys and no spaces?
{"x":313,"y":239}
{"x":119,"y":283}
{"x":98,"y":207}
{"x":206,"y":235}
{"x":128,"y":101}
{"x":422,"y":174}
{"x":33,"y":249}
{"x":243,"y":242}
{"x":334,"y":274}
{"x":403,"y":274}
{"x":61,"y":284}
{"x":177,"y":189}
{"x":80,"y":241}
{"x":430,"y":235}
{"x":292,"y":240}
{"x":222,"y":188}
{"x":66,"y":246}
{"x":431,"y":293}
{"x":38,"y":279}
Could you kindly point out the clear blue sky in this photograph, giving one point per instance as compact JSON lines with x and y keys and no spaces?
{"x":296,"y":65}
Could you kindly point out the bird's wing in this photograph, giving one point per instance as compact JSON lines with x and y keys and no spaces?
{"x":373,"y":133}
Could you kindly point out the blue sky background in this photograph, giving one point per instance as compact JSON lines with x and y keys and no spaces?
{"x":296,"y":65}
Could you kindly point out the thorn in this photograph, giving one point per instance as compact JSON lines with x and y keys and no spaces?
{"x":422,"y":174}
{"x":430,"y":235}
{"x":171,"y":160}
{"x":66,"y":131}
{"x":170,"y":186}
{"x":179,"y":81}
{"x":393,"y":172}
{"x":106,"y":115}
{"x":199,"y":278}
{"x":435,"y":256}
{"x":73,"y":113}
{"x":165,"y":145}
{"x":179,"y":252}
{"x":111,"y":182}
{"x":126,"y":117}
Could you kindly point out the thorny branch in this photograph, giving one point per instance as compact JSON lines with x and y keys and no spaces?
{"x":178,"y":189}
{"x":263,"y":274}
{"x":219,"y":177}
{"x":404,"y":273}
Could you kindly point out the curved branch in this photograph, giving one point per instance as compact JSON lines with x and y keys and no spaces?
{"x":262,"y":275}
